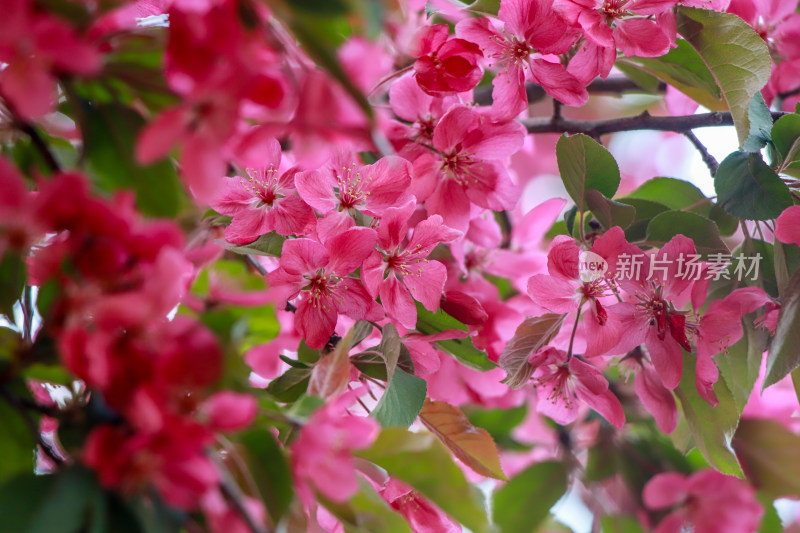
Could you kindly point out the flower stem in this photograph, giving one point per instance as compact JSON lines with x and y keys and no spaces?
{"x":574,"y":329}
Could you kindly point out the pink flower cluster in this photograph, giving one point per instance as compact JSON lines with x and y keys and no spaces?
{"x":117,"y":278}
{"x":616,"y":316}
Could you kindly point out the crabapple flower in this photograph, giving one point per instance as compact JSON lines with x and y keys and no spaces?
{"x":445,"y":65}
{"x":321,"y":454}
{"x":316,"y":276}
{"x":562,"y":385}
{"x":531,"y":30}
{"x":654,"y":319}
{"x":720,"y":327}
{"x":422,"y":515}
{"x":466,"y":168}
{"x":36,"y":46}
{"x":787,"y":226}
{"x":18,"y":226}
{"x":264,"y":202}
{"x":633,"y":35}
{"x":173,"y":460}
{"x":400,"y":272}
{"x":566,"y":290}
{"x":421,"y":110}
{"x":347,"y":186}
{"x":708,"y":500}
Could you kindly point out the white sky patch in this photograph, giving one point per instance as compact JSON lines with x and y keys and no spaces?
{"x":720,"y":142}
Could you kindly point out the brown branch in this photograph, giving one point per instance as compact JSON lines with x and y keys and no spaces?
{"x":708,"y":159}
{"x":40,"y":145}
{"x":617,"y":86}
{"x":644,"y":121}
{"x":45,"y":446}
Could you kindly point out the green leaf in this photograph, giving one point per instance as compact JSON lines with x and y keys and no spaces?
{"x":290,"y":385}
{"x":462,"y":349}
{"x":646,"y":81}
{"x":473,"y":446}
{"x":645,"y":211}
{"x":12,"y":281}
{"x":701,"y":230}
{"x":740,"y":363}
{"x":423,"y":462}
{"x":267,"y":465}
{"x":523,"y":503}
{"x":531,"y":335}
{"x":727,"y":224}
{"x":110,"y":132}
{"x":770,"y":455}
{"x":620,"y":524}
{"x":786,"y":139}
{"x":608,"y":212}
{"x":712,"y":427}
{"x":270,"y":244}
{"x":760,"y":124}
{"x":401,"y":401}
{"x":736,"y":55}
{"x":747,"y":188}
{"x":683,"y":68}
{"x":674,"y":193}
{"x":17,"y":443}
{"x":784,"y":356}
{"x":390,"y":347}
{"x":585,"y":164}
{"x":366,"y":512}
{"x":500,"y":423}
{"x":58,"y":503}
{"x":770,"y":522}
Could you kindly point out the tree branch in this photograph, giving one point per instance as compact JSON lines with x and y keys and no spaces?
{"x":708,"y":159}
{"x":617,"y":86}
{"x":40,"y":145}
{"x":645,"y":121}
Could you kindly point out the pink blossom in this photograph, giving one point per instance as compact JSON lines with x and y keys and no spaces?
{"x":422,"y":515}
{"x":202,"y":127}
{"x":264,"y":202}
{"x":562,"y":384}
{"x":632,"y":31}
{"x":653,"y":317}
{"x":346,"y":186}
{"x":317,"y":276}
{"x":787,"y":226}
{"x":174,"y":461}
{"x":720,"y":327}
{"x":399,"y":271}
{"x":708,"y":500}
{"x":421,"y":110}
{"x":321,"y":457}
{"x":532,"y":29}
{"x":227,"y":410}
{"x":445,"y":65}
{"x":466,"y":168}
{"x":18,"y":225}
{"x":36,"y":47}
{"x":564,"y":291}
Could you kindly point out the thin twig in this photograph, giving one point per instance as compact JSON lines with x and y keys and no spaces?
{"x":617,"y":86}
{"x":27,"y":314}
{"x":40,"y":145}
{"x":574,"y":329}
{"x":46,"y":447}
{"x":644,"y":121}
{"x":234,"y":494}
{"x":253,"y":262}
{"x":708,"y":159}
